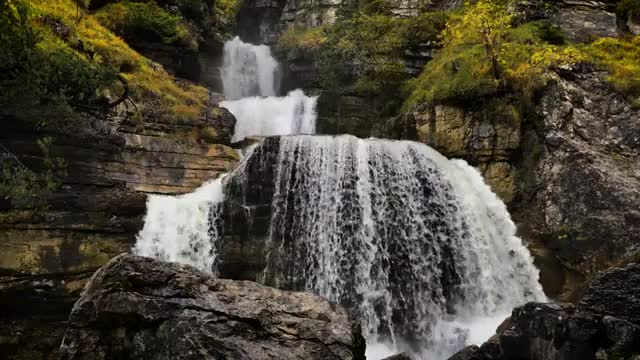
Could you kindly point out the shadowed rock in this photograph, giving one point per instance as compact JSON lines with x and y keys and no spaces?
{"x":604,"y":325}
{"x":136,"y":307}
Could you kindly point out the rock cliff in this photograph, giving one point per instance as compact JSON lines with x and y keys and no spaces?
{"x":137,"y":307}
{"x":48,"y":253}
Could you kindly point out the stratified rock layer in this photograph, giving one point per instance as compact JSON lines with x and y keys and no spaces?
{"x":137,"y":308}
{"x":49,"y":250}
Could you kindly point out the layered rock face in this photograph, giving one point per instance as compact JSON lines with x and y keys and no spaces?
{"x":603,"y":325}
{"x":137,"y":307}
{"x":486,"y":134}
{"x":48,"y":253}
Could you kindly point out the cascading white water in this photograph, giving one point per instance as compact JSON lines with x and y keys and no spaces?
{"x":250,"y":85}
{"x":183,"y":228}
{"x":292,"y":114}
{"x":415,"y":245}
{"x":248,"y":70}
{"x":179,"y":228}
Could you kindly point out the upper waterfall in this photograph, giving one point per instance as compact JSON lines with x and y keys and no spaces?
{"x":250,"y":78}
{"x":248,"y":70}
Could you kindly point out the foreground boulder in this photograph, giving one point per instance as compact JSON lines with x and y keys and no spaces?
{"x":136,"y":308}
{"x":604,"y":325}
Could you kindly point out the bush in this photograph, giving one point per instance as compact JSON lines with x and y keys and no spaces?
{"x":142,"y":22}
{"x":364,"y":52}
{"x":25,"y":187}
{"x":483,"y":54}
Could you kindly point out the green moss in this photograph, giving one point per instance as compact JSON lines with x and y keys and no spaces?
{"x":209,"y":134}
{"x":456,"y":73}
{"x":621,"y":57}
{"x":45,"y":79}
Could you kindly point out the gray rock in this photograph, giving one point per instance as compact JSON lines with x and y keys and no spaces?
{"x":136,"y":308}
{"x":600,"y":327}
{"x":577,"y":182}
{"x":579,"y":20}
{"x":615,"y":293}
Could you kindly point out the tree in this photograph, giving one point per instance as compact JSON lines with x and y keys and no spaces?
{"x":485,"y":23}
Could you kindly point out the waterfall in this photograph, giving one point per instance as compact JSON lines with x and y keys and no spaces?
{"x":415,"y":245}
{"x":250,"y":76}
{"x":292,"y":114}
{"x":248,"y":70}
{"x":183,"y":228}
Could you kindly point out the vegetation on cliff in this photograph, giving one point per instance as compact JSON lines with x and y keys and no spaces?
{"x":363,"y":51}
{"x":480,"y":50}
{"x":64,"y":62}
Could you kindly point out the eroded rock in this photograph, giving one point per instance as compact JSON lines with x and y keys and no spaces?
{"x":137,"y":307}
{"x":604,"y":325}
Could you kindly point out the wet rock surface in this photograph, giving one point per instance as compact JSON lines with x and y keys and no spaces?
{"x":137,"y":307}
{"x":604,"y":325}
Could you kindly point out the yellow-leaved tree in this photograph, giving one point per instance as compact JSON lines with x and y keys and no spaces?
{"x":484,"y":23}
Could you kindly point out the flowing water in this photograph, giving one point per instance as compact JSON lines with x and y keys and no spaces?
{"x":250,"y":81}
{"x":416,"y":245}
{"x":183,"y":228}
{"x":292,"y":114}
{"x":413,"y":244}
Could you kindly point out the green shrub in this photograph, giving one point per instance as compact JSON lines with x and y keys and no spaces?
{"x":25,"y":187}
{"x":144,"y":22}
{"x":364,"y":52}
{"x":625,"y":6}
{"x":483,"y":54}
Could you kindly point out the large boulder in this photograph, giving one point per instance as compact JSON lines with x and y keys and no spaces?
{"x":137,"y":307}
{"x":604,"y":325}
{"x":615,"y":293}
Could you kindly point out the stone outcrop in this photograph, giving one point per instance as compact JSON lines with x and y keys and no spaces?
{"x":578,"y":183}
{"x":137,"y":307}
{"x":567,"y":167}
{"x":581,"y":21}
{"x":49,"y":250}
{"x":486,"y":134}
{"x":604,"y":325}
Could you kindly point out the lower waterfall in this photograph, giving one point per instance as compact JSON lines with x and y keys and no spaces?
{"x":183,"y":228}
{"x":414,"y":245}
